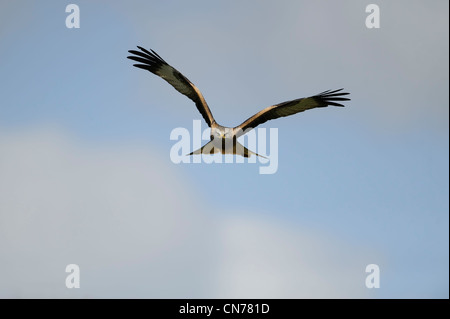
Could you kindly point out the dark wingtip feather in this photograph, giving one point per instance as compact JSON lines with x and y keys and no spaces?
{"x":334,"y":104}
{"x":333,"y":93}
{"x":157,"y":55}
{"x":144,"y":50}
{"x":138,"y":59}
{"x":327,"y":92}
{"x":331,"y":97}
{"x":134,"y":51}
{"x":340,"y":99}
{"x":142,"y":66}
{"x":151,"y":55}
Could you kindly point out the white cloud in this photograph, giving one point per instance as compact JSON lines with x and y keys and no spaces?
{"x":136,"y":229}
{"x":264,"y":258}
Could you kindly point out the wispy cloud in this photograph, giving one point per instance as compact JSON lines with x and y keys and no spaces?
{"x":137,"y":230}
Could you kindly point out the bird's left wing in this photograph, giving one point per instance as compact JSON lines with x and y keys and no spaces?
{"x":291,"y":107}
{"x":152,"y":62}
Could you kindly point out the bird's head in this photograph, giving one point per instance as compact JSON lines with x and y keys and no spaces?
{"x":228,"y":132}
{"x":222,"y":133}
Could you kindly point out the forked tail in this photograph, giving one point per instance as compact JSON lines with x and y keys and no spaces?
{"x":238,"y":149}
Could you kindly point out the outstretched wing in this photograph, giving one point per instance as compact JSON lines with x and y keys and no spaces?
{"x":152,"y":62}
{"x":291,"y":107}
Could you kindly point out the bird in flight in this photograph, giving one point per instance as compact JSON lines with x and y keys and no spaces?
{"x":224,"y":139}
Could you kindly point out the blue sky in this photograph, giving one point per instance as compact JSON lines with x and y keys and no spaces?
{"x":363,"y":184}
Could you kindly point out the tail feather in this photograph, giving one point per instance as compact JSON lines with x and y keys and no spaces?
{"x":208,"y":148}
{"x":238,"y":149}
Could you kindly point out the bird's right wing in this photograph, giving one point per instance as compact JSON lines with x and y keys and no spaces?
{"x":152,"y":62}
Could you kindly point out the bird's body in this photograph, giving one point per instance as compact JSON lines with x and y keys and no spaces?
{"x":224,"y":139}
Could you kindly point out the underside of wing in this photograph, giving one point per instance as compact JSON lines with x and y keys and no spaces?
{"x":292,"y":107}
{"x":151,"y":61}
